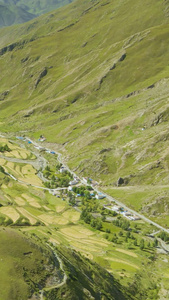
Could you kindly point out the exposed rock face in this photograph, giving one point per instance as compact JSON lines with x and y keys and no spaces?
{"x":120,"y":181}
{"x":3,"y":95}
{"x":41,"y":75}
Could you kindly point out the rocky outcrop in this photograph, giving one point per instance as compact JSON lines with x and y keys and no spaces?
{"x":120,"y":181}
{"x":41,"y":75}
{"x":3,"y":95}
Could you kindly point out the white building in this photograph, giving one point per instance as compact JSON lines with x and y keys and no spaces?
{"x":100,"y":196}
{"x":62,"y":170}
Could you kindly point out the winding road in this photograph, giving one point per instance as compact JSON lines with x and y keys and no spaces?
{"x":60,"y":159}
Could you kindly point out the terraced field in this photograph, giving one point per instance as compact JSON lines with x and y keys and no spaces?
{"x":36,"y":212}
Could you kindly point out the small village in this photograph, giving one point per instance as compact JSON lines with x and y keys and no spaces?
{"x":77,"y":182}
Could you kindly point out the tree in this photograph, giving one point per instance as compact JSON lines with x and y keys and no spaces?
{"x":2,"y":170}
{"x":98,"y":224}
{"x":155,"y":244}
{"x":135,"y":242}
{"x":148,"y":244}
{"x":120,"y":233}
{"x":103,"y":218}
{"x":141,"y":244}
{"x":128,"y":234}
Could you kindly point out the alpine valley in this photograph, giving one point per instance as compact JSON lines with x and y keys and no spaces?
{"x":84,"y":162}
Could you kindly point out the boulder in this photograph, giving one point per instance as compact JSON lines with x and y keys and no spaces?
{"x":120,"y":181}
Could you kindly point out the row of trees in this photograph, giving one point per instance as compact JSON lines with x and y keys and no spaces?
{"x":164,"y":236}
{"x":4,"y":148}
{"x":89,"y":219}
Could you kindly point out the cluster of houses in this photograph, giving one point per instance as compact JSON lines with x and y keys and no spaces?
{"x":89,"y":181}
{"x":124,"y":213}
{"x":41,"y":138}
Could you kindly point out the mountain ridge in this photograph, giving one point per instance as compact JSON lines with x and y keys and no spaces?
{"x":16,"y":12}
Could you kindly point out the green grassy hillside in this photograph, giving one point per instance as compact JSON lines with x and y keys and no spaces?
{"x":28,"y":265}
{"x":98,"y":89}
{"x":22,"y":270}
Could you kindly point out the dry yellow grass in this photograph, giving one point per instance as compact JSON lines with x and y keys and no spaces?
{"x":3,"y":140}
{"x":84,"y":231}
{"x":20,"y":201}
{"x":60,"y":207}
{"x":17,"y":169}
{"x":16,"y":154}
{"x":61,"y":221}
{"x":30,"y":175}
{"x":51,"y":219}
{"x":130,"y":253}
{"x":33,"y":180}
{"x":124,"y":262}
{"x":82,"y":246}
{"x":97,"y":242}
{"x":3,"y":186}
{"x":73,"y":232}
{"x":72,"y":216}
{"x":47,"y":208}
{"x":24,"y":154}
{"x":10,"y":212}
{"x":31,"y":201}
{"x":2,"y":161}
{"x":10,"y":166}
{"x":54,"y":241}
{"x":8,"y":198}
{"x":24,"y":212}
{"x":28,"y":169}
{"x":8,"y":154}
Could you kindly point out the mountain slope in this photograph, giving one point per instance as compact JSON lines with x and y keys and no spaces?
{"x":28,"y":267}
{"x":98,"y":89}
{"x":12,"y":15}
{"x":16,"y":12}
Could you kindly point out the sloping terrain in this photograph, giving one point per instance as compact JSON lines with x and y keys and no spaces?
{"x":10,"y":14}
{"x":93,"y":79}
{"x":98,"y":89}
{"x":37,"y":7}
{"x":28,"y":266}
{"x":22,"y":270}
{"x":16,"y":12}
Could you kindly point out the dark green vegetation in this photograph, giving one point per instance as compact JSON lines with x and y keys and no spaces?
{"x":20,"y":11}
{"x":55,"y":178}
{"x":4,"y":148}
{"x":27,"y":265}
{"x":86,"y":280}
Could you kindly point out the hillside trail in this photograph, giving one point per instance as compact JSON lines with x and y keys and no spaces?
{"x":64,"y":279}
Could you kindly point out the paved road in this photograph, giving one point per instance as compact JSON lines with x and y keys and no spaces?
{"x":110,"y":198}
{"x":133,"y":211}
